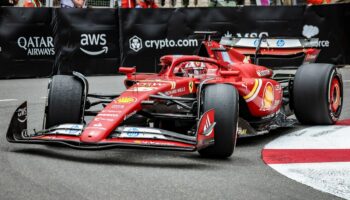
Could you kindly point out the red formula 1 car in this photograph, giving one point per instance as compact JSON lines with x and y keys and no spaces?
{"x":195,"y":103}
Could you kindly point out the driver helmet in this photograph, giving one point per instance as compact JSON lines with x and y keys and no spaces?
{"x":195,"y":69}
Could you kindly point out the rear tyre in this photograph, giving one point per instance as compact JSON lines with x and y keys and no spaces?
{"x":317,"y":94}
{"x":65,"y":100}
{"x":223,"y":99}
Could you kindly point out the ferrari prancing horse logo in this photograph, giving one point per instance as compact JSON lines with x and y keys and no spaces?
{"x":190,"y":86}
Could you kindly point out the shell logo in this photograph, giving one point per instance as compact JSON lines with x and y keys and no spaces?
{"x":125,"y":100}
{"x":268,"y":97}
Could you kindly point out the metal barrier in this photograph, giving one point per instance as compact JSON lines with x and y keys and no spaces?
{"x":100,"y":4}
{"x":160,"y":3}
{"x":87,"y":3}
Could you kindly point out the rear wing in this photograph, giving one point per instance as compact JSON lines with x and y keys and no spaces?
{"x":278,"y":43}
{"x":275,"y":52}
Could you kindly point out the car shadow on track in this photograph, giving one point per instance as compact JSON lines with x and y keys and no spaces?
{"x":156,"y":158}
{"x":264,"y":139}
{"x":235,"y":160}
{"x":135,"y":158}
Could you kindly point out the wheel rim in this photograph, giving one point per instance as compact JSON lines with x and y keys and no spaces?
{"x":335,"y":95}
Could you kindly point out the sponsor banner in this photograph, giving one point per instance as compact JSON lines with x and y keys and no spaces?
{"x":169,"y":31}
{"x":332,"y":33}
{"x":37,"y":42}
{"x":26,"y":42}
{"x":162,"y":32}
{"x":34,"y":42}
{"x":91,"y":46}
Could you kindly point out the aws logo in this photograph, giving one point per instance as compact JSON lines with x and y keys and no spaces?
{"x":93,"y":41}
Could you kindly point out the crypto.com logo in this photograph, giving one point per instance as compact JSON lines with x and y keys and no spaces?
{"x":135,"y":43}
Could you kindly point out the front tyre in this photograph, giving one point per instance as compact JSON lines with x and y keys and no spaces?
{"x":317,"y":94}
{"x":223,"y":98}
{"x":65,"y":101}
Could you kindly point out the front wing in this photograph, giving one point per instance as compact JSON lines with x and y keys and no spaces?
{"x":126,"y":137}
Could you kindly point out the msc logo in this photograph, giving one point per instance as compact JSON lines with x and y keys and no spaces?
{"x":135,"y":43}
{"x":247,"y":35}
{"x":93,"y":40}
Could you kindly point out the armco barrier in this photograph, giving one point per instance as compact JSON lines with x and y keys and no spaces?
{"x":39,"y":42}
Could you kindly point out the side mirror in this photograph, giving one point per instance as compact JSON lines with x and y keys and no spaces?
{"x":229,"y":73}
{"x":128,"y":71}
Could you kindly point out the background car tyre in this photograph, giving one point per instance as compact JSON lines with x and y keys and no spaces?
{"x":65,"y":100}
{"x":224,"y":99}
{"x":317,"y":94}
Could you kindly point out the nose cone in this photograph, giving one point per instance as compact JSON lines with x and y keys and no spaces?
{"x":109,"y":118}
{"x":98,"y":129}
{"x":92,"y":136}
{"x":126,"y":105}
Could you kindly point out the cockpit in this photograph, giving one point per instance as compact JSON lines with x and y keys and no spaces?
{"x":195,"y":69}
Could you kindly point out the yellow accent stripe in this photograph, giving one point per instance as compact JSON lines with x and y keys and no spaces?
{"x":251,"y":93}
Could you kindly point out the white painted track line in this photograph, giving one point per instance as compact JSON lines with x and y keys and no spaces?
{"x":316,"y":137}
{"x":7,"y":100}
